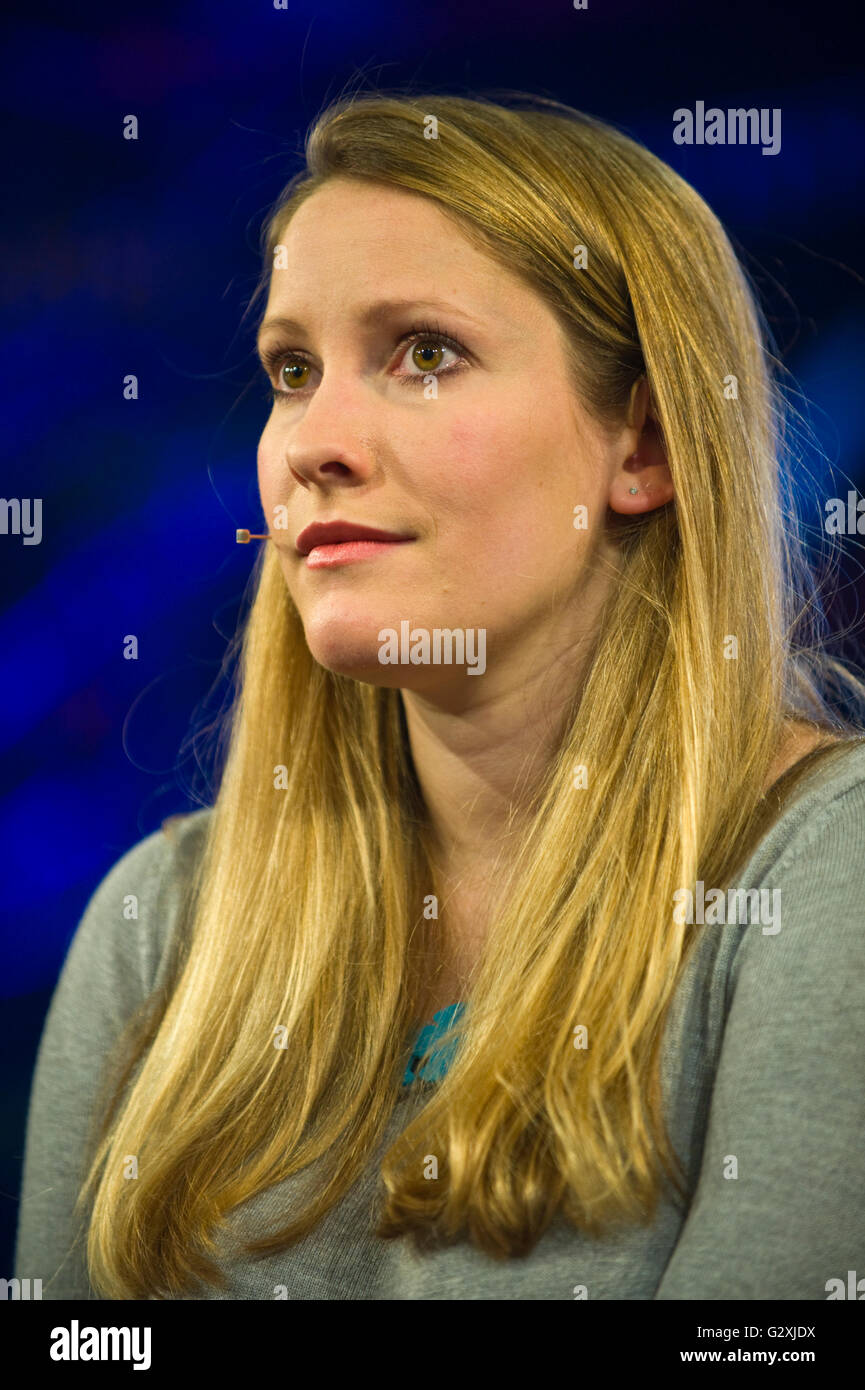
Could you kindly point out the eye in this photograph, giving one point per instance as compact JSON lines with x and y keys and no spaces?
{"x":425,"y":347}
{"x":426,"y":350}
{"x":287,"y":373}
{"x":294,"y":374}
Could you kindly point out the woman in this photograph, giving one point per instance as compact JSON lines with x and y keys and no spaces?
{"x":481,"y":763}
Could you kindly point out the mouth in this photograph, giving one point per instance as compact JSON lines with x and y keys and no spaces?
{"x":346,"y":552}
{"x":331,"y":543}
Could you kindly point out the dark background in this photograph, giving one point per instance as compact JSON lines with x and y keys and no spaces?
{"x":140,"y":257}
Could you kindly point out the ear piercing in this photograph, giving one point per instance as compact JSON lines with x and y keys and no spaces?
{"x":633,"y":489}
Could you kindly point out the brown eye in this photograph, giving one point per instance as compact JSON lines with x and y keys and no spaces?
{"x":426,"y":355}
{"x":293,"y":374}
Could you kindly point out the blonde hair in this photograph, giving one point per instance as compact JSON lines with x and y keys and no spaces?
{"x":306,"y":907}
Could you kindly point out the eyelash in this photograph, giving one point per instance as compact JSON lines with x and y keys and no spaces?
{"x":275,"y":358}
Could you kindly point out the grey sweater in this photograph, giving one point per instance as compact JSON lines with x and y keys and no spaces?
{"x":762,"y":1078}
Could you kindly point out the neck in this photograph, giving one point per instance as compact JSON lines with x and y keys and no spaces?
{"x":481,"y":754}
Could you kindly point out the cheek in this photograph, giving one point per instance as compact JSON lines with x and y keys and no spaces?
{"x":268,"y":468}
{"x":479,"y":477}
{"x":511,"y":483}
{"x":480,"y":446}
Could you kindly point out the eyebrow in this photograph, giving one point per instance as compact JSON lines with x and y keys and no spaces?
{"x":371,"y":314}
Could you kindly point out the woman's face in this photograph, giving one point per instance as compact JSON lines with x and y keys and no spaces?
{"x":477,"y":449}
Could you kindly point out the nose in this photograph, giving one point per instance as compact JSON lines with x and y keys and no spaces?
{"x":326,"y":442}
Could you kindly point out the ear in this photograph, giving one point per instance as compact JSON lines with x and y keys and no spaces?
{"x":642,"y":482}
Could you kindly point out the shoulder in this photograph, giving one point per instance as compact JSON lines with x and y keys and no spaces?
{"x":806,"y":954}
{"x":777,"y":1209}
{"x":114,"y":964}
{"x":786,"y":935}
{"x":121,"y":943}
{"x":825,"y":803}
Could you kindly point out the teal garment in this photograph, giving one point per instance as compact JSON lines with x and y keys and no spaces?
{"x":427,"y":1063}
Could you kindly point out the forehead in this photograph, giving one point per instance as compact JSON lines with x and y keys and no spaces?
{"x":354,"y":234}
{"x":345,"y":211}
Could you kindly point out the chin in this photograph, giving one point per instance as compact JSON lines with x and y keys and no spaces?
{"x":349,"y":649}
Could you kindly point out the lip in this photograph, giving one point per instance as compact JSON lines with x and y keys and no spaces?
{"x":347,"y":552}
{"x":329,"y":535}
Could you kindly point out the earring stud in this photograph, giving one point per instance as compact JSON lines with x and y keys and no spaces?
{"x":633,"y":489}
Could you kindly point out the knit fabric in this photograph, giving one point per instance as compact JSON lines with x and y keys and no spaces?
{"x":762,"y":1086}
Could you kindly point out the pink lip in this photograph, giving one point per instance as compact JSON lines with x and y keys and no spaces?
{"x":346,"y":552}
{"x":337,"y":542}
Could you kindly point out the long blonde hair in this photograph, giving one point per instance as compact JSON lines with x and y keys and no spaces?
{"x":677,"y":741}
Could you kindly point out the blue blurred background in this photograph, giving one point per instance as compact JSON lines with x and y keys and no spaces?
{"x":140,"y":256}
